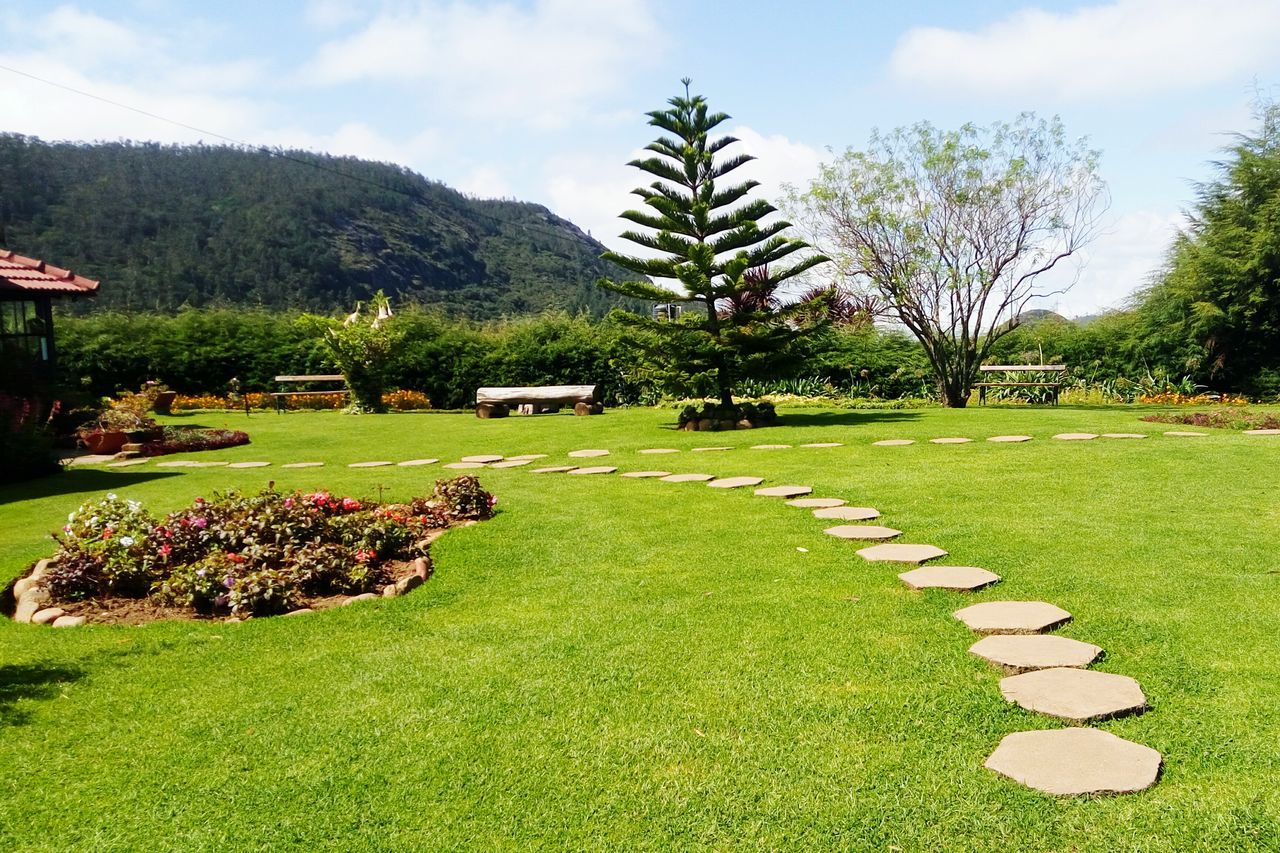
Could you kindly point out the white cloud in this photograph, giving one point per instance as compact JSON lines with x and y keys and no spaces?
{"x":543,"y":65}
{"x":1118,"y":49}
{"x":484,"y":182}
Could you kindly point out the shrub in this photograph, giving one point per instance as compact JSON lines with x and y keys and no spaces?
{"x":463,"y":499}
{"x":26,"y":442}
{"x":190,"y":439}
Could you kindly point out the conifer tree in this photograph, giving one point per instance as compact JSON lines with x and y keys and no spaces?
{"x":710,"y":242}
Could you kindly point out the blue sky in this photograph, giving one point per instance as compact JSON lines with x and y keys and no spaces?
{"x":544,"y":100}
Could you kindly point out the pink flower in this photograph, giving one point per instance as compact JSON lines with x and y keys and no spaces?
{"x":364,"y":556}
{"x":200,"y":523}
{"x":166,"y":549}
{"x":288,"y":503}
{"x":350,"y":504}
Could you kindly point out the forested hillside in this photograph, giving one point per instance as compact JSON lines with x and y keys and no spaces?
{"x":167,"y":226}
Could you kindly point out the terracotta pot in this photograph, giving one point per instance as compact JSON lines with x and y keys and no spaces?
{"x":164,"y":402}
{"x":104,"y":442}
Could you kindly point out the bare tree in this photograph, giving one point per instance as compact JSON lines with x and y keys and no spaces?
{"x":953,"y":229}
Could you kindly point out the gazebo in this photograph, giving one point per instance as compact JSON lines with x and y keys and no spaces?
{"x":27,"y":290}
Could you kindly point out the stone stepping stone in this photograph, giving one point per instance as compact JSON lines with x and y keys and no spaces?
{"x":597,"y":469}
{"x":688,"y":478}
{"x":220,"y":464}
{"x":901,"y":553}
{"x":955,"y":578}
{"x":378,"y":464}
{"x":770,"y":447}
{"x":529,"y":456}
{"x":458,"y":466}
{"x":554,"y":469}
{"x":1178,"y":433}
{"x":1124,"y":435}
{"x":1075,"y":761}
{"x":1012,"y":617}
{"x":735,"y":482}
{"x":483,"y":458}
{"x":824,"y":444}
{"x":784,"y":491}
{"x":1262,"y":432}
{"x":659,"y":450}
{"x":179,"y":463}
{"x":1017,"y":653}
{"x":640,"y":475}
{"x":709,"y":449}
{"x":413,"y":463}
{"x":307,"y":465}
{"x":126,"y":463}
{"x":1074,"y":695}
{"x":90,"y":459}
{"x":952,"y":440}
{"x":820,"y":503}
{"x":1009,"y":439}
{"x":862,"y":531}
{"x":510,"y":463}
{"x":847,"y":513}
{"x":893,"y":442}
{"x":587,"y":454}
{"x":241,"y":464}
{"x":1075,"y":436}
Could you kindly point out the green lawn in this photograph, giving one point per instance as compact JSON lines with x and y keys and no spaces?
{"x":616,"y":663}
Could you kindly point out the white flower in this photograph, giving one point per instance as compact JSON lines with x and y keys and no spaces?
{"x":134,"y":506}
{"x":93,"y":520}
{"x":126,"y":541}
{"x":71,"y":516}
{"x":111,"y":496}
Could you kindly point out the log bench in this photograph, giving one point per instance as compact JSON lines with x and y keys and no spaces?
{"x":497,"y":402}
{"x":282,"y":397}
{"x":1053,"y":385}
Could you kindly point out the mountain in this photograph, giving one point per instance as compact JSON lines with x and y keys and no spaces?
{"x":166,"y":226}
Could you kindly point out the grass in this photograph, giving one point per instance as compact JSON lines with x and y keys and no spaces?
{"x":633,"y":664}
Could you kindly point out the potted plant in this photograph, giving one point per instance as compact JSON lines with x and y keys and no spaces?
{"x":160,"y":396}
{"x":116,"y":426}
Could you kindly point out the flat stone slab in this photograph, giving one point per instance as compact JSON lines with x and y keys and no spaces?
{"x":1009,"y":439}
{"x":177,"y":463}
{"x":709,"y":449}
{"x":642,"y":475}
{"x":458,"y":466}
{"x":956,"y":578}
{"x":378,"y":464}
{"x":595,"y":469}
{"x":510,"y":463}
{"x":587,"y":454}
{"x":1012,"y":617}
{"x":735,"y":482}
{"x":861,"y":531}
{"x":950,"y":440}
{"x":823,"y":444}
{"x":126,"y":463}
{"x":688,"y":478}
{"x":784,"y":491}
{"x":847,"y":513}
{"x":1025,"y":652}
{"x":659,"y":450}
{"x":819,"y":503}
{"x":770,"y":447}
{"x":307,"y":465}
{"x":529,"y":456}
{"x":1075,"y":436}
{"x":414,"y":463}
{"x":901,"y":553}
{"x":1124,"y":435}
{"x":483,"y":458}
{"x":1182,"y":433}
{"x":1076,"y":761}
{"x":1262,"y":432}
{"x":553,"y":469}
{"x":1075,"y":695}
{"x":220,"y":464}
{"x":90,"y":459}
{"x":243,"y":464}
{"x":893,"y":442}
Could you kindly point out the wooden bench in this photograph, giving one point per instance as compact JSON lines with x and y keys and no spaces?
{"x":497,"y":402}
{"x":282,"y":397}
{"x":1053,"y":386}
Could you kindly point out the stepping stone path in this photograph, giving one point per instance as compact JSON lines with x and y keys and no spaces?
{"x":847,"y":513}
{"x":220,"y":464}
{"x":379,"y":464}
{"x":598,"y":469}
{"x":1075,"y":436}
{"x":687,"y":478}
{"x":957,"y":578}
{"x":824,"y":444}
{"x":458,"y":466}
{"x":179,"y":463}
{"x":784,"y":491}
{"x":770,"y":447}
{"x":956,"y":440}
{"x":808,"y":503}
{"x":483,"y":458}
{"x":899,"y":553}
{"x":1262,"y":432}
{"x":1124,"y":435}
{"x":893,"y":442}
{"x":587,"y":454}
{"x":710,"y":449}
{"x":307,"y":465}
{"x":1075,"y":695}
{"x":242,"y":464}
{"x":126,"y":463}
{"x":1012,"y":617}
{"x":529,"y":456}
{"x":1075,"y":761}
{"x":660,"y":450}
{"x":1177,"y":433}
{"x":1025,"y":652}
{"x":1009,"y":439}
{"x":640,"y":475}
{"x":554,"y":469}
{"x":510,"y":463}
{"x":735,"y":482}
{"x":861,"y":531}
{"x":413,"y":463}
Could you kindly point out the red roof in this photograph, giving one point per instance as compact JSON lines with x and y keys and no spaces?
{"x":28,"y":274}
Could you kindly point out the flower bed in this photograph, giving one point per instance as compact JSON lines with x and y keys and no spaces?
{"x":189,"y":439}
{"x":1221,"y":419}
{"x":398,"y":401}
{"x":240,"y":555}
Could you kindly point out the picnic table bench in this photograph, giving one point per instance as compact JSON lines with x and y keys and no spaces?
{"x":497,"y":402}
{"x":282,"y":397}
{"x":1053,"y":385}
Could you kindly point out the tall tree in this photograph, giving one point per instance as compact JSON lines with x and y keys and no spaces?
{"x":710,"y":246}
{"x":954,"y":229}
